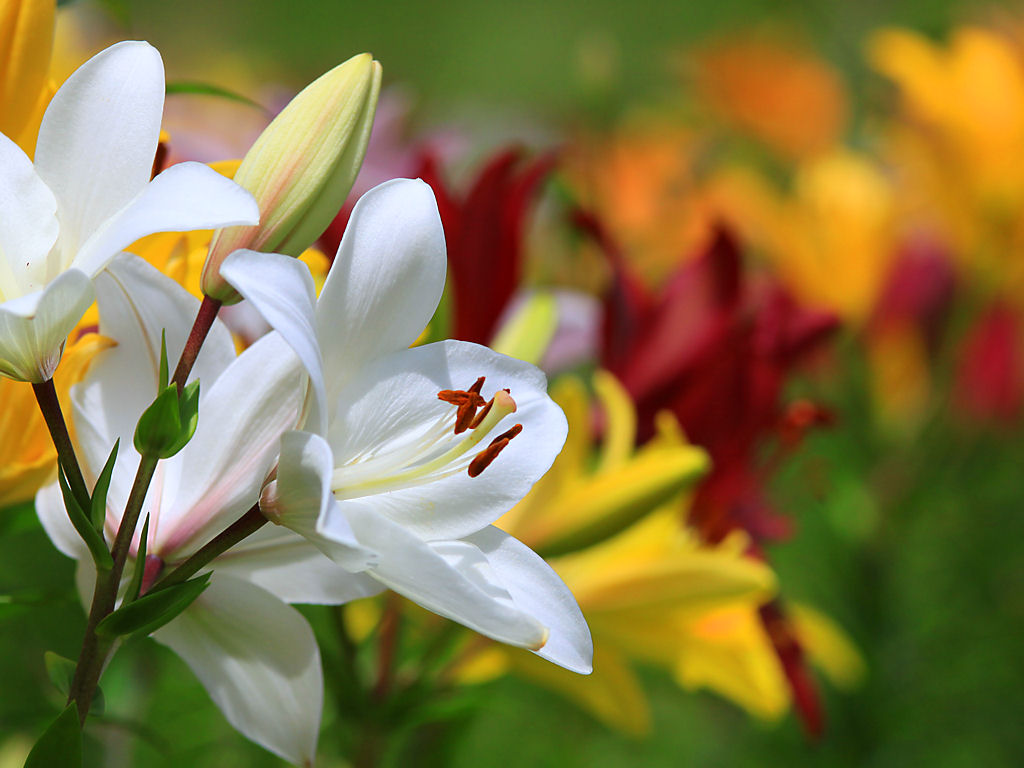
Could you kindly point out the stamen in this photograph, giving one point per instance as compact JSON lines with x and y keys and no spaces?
{"x":483,"y":414}
{"x":483,"y":459}
{"x":479,"y":417}
{"x":349,"y":482}
{"x":509,"y":434}
{"x":467,"y":401}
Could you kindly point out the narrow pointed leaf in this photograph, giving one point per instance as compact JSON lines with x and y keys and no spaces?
{"x":60,"y":744}
{"x":92,"y":538}
{"x":188,"y":413}
{"x":164,"y":375}
{"x":60,"y":671}
{"x":152,"y":611}
{"x":99,"y":492}
{"x":194,"y":88}
{"x":135,"y":585}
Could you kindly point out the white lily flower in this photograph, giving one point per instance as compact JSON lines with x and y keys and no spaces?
{"x":88,"y":196}
{"x":415,"y":451}
{"x":254,"y":654}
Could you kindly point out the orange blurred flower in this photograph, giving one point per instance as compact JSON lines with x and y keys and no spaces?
{"x":775,"y":92}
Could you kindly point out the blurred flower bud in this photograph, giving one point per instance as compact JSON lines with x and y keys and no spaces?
{"x":302,"y":167}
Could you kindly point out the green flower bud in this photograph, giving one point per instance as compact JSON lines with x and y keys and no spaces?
{"x":301,"y":168}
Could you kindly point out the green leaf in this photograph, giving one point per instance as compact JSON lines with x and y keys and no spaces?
{"x":135,"y":585}
{"x":164,"y":375}
{"x":152,"y":611}
{"x":61,"y":743}
{"x":196,"y":88}
{"x":61,"y":671}
{"x":188,"y":413}
{"x":92,"y":538}
{"x":99,"y":492}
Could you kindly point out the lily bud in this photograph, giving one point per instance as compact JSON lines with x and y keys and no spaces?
{"x":301,"y":168}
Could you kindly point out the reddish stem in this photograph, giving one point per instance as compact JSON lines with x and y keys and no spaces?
{"x":387,"y":646}
{"x":200,"y":328}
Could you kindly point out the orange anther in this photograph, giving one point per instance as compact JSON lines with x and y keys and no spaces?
{"x":483,"y":459}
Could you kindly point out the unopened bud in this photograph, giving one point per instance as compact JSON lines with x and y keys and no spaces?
{"x":301,"y":168}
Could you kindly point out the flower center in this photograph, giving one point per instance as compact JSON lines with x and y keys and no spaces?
{"x":444,"y":449}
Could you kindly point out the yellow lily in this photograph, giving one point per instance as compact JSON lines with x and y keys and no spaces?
{"x":957,"y":146}
{"x":834,"y":240}
{"x":181,"y":255}
{"x":26,"y":44}
{"x":651,"y":592}
{"x":28,"y":459}
{"x":643,"y":581}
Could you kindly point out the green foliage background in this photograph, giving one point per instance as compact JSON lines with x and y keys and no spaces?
{"x":915,"y":548}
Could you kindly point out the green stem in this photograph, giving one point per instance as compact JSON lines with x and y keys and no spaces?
{"x":95,"y":649}
{"x":49,"y":405}
{"x":243,"y":527}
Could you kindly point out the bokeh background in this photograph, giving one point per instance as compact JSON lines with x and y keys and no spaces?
{"x":907,"y":512}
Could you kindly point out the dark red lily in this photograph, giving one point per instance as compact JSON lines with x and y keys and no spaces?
{"x":484,"y":233}
{"x":919,"y":290}
{"x":990,"y":374}
{"x":716,"y":349}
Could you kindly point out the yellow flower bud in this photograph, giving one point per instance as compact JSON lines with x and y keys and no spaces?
{"x":302,"y":167}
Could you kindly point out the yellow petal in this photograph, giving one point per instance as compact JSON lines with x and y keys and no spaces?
{"x":318,"y":264}
{"x":900,"y":375}
{"x":729,"y":652}
{"x":611,"y":502}
{"x":483,"y":666}
{"x":620,"y":421}
{"x":611,"y":693}
{"x":27,"y":456}
{"x":658,"y":564}
{"x":527,"y":334}
{"x":26,"y":43}
{"x":828,"y":646}
{"x":529,"y":519}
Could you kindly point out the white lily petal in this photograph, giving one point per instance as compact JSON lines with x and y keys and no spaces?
{"x":33,"y":329}
{"x":241,"y":418}
{"x":258,"y":660}
{"x":301,"y":499}
{"x":538,"y":590}
{"x":185,"y":197}
{"x":386,"y":281}
{"x":54,"y":517}
{"x":290,"y":567}
{"x":390,"y":412}
{"x":28,"y":227}
{"x":98,"y":138}
{"x":282,"y":291}
{"x":137,"y":303}
{"x":450,"y":578}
